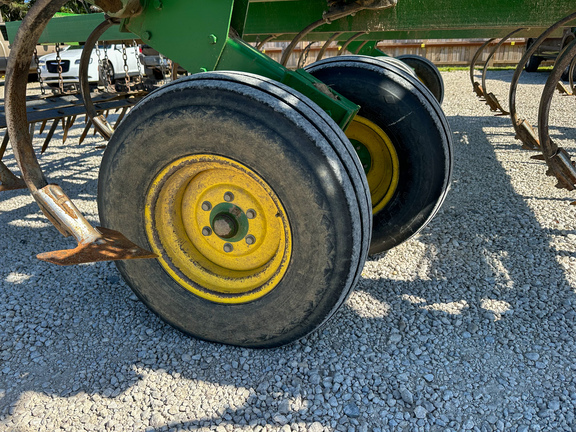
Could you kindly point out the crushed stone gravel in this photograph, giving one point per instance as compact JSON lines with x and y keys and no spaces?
{"x":467,"y":326}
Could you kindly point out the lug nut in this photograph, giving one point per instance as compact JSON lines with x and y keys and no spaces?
{"x":250,"y":240}
{"x":228,"y":197}
{"x":206,"y":206}
{"x":251,"y":214}
{"x":206,"y":231}
{"x":228,"y":248}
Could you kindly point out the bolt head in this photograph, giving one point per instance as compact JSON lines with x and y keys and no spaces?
{"x":228,"y":248}
{"x":250,"y":214}
{"x":206,"y":206}
{"x":250,"y":239}
{"x":206,"y":231}
{"x":228,"y":197}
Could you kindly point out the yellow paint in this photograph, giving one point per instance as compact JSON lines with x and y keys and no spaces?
{"x":175,"y":220}
{"x":384,"y":174}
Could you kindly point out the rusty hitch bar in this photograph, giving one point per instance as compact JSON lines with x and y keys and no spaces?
{"x":93,"y":245}
{"x":558,"y":160}
{"x":524,"y":131}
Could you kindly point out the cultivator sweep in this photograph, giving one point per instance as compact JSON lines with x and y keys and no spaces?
{"x":260,"y":190}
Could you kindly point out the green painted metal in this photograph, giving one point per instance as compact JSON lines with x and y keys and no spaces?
{"x":367,"y":48}
{"x":193,"y":32}
{"x":419,"y":18}
{"x":238,"y":55}
{"x":74,"y":28}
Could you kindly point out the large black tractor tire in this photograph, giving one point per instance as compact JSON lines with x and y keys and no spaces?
{"x":252,"y":198}
{"x":402,"y":138}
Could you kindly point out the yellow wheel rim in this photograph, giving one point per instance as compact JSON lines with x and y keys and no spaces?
{"x":218,"y":228}
{"x":379,"y":158}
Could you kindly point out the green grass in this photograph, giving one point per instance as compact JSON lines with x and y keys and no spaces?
{"x":462,"y":68}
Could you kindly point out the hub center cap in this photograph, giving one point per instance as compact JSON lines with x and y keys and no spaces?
{"x":225,"y":225}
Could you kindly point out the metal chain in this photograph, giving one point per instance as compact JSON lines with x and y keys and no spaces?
{"x":126,"y":74}
{"x":59,"y":60}
{"x":106,"y":69}
{"x":137,"y":57}
{"x":39,"y":72}
{"x":169,"y":70}
{"x":304,"y":56}
{"x":163,"y":67}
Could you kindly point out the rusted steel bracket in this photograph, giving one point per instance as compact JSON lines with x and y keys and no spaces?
{"x":99,"y":244}
{"x":520,"y":126}
{"x":93,"y":245}
{"x":558,"y":160}
{"x":476,"y":85}
{"x":491,"y":99}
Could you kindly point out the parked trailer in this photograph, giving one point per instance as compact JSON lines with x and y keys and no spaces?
{"x":241,"y":202}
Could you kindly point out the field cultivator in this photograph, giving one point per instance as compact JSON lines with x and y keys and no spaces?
{"x":256,"y":192}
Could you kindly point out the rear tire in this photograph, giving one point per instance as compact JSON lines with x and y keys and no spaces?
{"x":533,"y":64}
{"x":427,"y":72}
{"x":400,"y":113}
{"x":244,"y":150}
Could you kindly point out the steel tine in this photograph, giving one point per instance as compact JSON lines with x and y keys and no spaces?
{"x":121,"y":116}
{"x":43,"y":126}
{"x":69,"y":124}
{"x":50,"y":135}
{"x":32,"y":127}
{"x":4,"y":144}
{"x":85,"y":132}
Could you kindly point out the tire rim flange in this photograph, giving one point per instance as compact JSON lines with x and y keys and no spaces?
{"x":379,"y":158}
{"x":220,"y":231}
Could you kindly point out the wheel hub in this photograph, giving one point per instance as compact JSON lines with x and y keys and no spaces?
{"x":219,"y":229}
{"x":225,"y":226}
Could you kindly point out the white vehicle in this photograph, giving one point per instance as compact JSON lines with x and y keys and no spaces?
{"x":70,"y":62}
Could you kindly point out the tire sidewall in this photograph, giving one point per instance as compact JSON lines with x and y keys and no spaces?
{"x":158,"y":133}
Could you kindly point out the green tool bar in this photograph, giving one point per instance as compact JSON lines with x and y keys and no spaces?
{"x":420,"y":16}
{"x":74,"y":28}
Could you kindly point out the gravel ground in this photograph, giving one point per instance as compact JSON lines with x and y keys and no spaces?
{"x":468,"y":326}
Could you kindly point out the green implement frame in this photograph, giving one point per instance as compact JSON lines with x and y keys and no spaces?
{"x":209,"y":45}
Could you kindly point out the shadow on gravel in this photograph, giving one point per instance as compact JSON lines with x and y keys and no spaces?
{"x":446,"y":332}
